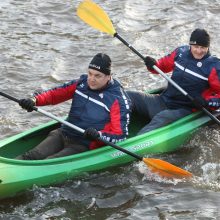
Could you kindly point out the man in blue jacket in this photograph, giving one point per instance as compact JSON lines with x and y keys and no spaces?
{"x":193,"y":69}
{"x":99,"y":106}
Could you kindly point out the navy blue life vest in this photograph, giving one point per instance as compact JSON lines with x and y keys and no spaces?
{"x":190,"y":74}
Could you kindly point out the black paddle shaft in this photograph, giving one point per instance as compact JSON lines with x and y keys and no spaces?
{"x":128,"y":45}
{"x":9,"y":97}
{"x":13,"y":99}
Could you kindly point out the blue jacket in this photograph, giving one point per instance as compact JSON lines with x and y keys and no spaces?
{"x":107,"y":110}
{"x":199,"y":78}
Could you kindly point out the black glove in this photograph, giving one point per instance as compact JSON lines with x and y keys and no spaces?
{"x":27,"y":104}
{"x":91,"y":133}
{"x":150,"y":62}
{"x":199,"y":102}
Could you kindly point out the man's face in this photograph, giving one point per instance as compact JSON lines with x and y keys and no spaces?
{"x":199,"y":52}
{"x":97,"y":80}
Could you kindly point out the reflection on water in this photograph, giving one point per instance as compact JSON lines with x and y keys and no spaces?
{"x":44,"y":43}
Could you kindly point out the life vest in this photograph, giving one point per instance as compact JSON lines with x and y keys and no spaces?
{"x":199,"y":78}
{"x":107,"y":110}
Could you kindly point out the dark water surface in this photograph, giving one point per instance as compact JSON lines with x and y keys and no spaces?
{"x":44,"y":43}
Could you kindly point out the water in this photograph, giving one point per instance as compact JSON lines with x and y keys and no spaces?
{"x":44,"y":43}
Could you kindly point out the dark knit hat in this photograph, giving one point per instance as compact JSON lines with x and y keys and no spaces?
{"x":102,"y":63}
{"x":200,"y":37}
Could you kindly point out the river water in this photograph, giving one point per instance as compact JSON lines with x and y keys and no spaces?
{"x":44,"y":43}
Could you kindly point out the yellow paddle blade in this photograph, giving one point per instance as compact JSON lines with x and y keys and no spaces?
{"x":95,"y":16}
{"x":166,"y":169}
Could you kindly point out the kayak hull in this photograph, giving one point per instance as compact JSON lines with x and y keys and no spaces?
{"x":19,"y":175}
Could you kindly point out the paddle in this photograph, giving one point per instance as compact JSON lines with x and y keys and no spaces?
{"x":96,"y":17}
{"x":157,"y":165}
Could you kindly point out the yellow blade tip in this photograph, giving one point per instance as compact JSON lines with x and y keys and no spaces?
{"x":95,"y":16}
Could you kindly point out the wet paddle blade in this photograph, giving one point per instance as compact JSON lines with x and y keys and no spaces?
{"x":166,"y":169}
{"x":95,"y":16}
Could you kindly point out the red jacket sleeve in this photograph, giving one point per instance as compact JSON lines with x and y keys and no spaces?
{"x":212,"y":95}
{"x":56,"y":95}
{"x":166,"y":63}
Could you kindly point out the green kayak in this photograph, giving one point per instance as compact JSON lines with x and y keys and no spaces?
{"x":18,"y":175}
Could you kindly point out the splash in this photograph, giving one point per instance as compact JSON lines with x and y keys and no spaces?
{"x":152,"y":176}
{"x":211,"y":172}
{"x":210,"y":179}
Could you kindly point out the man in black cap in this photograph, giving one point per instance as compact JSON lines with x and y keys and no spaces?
{"x":193,"y":69}
{"x":99,"y":106}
